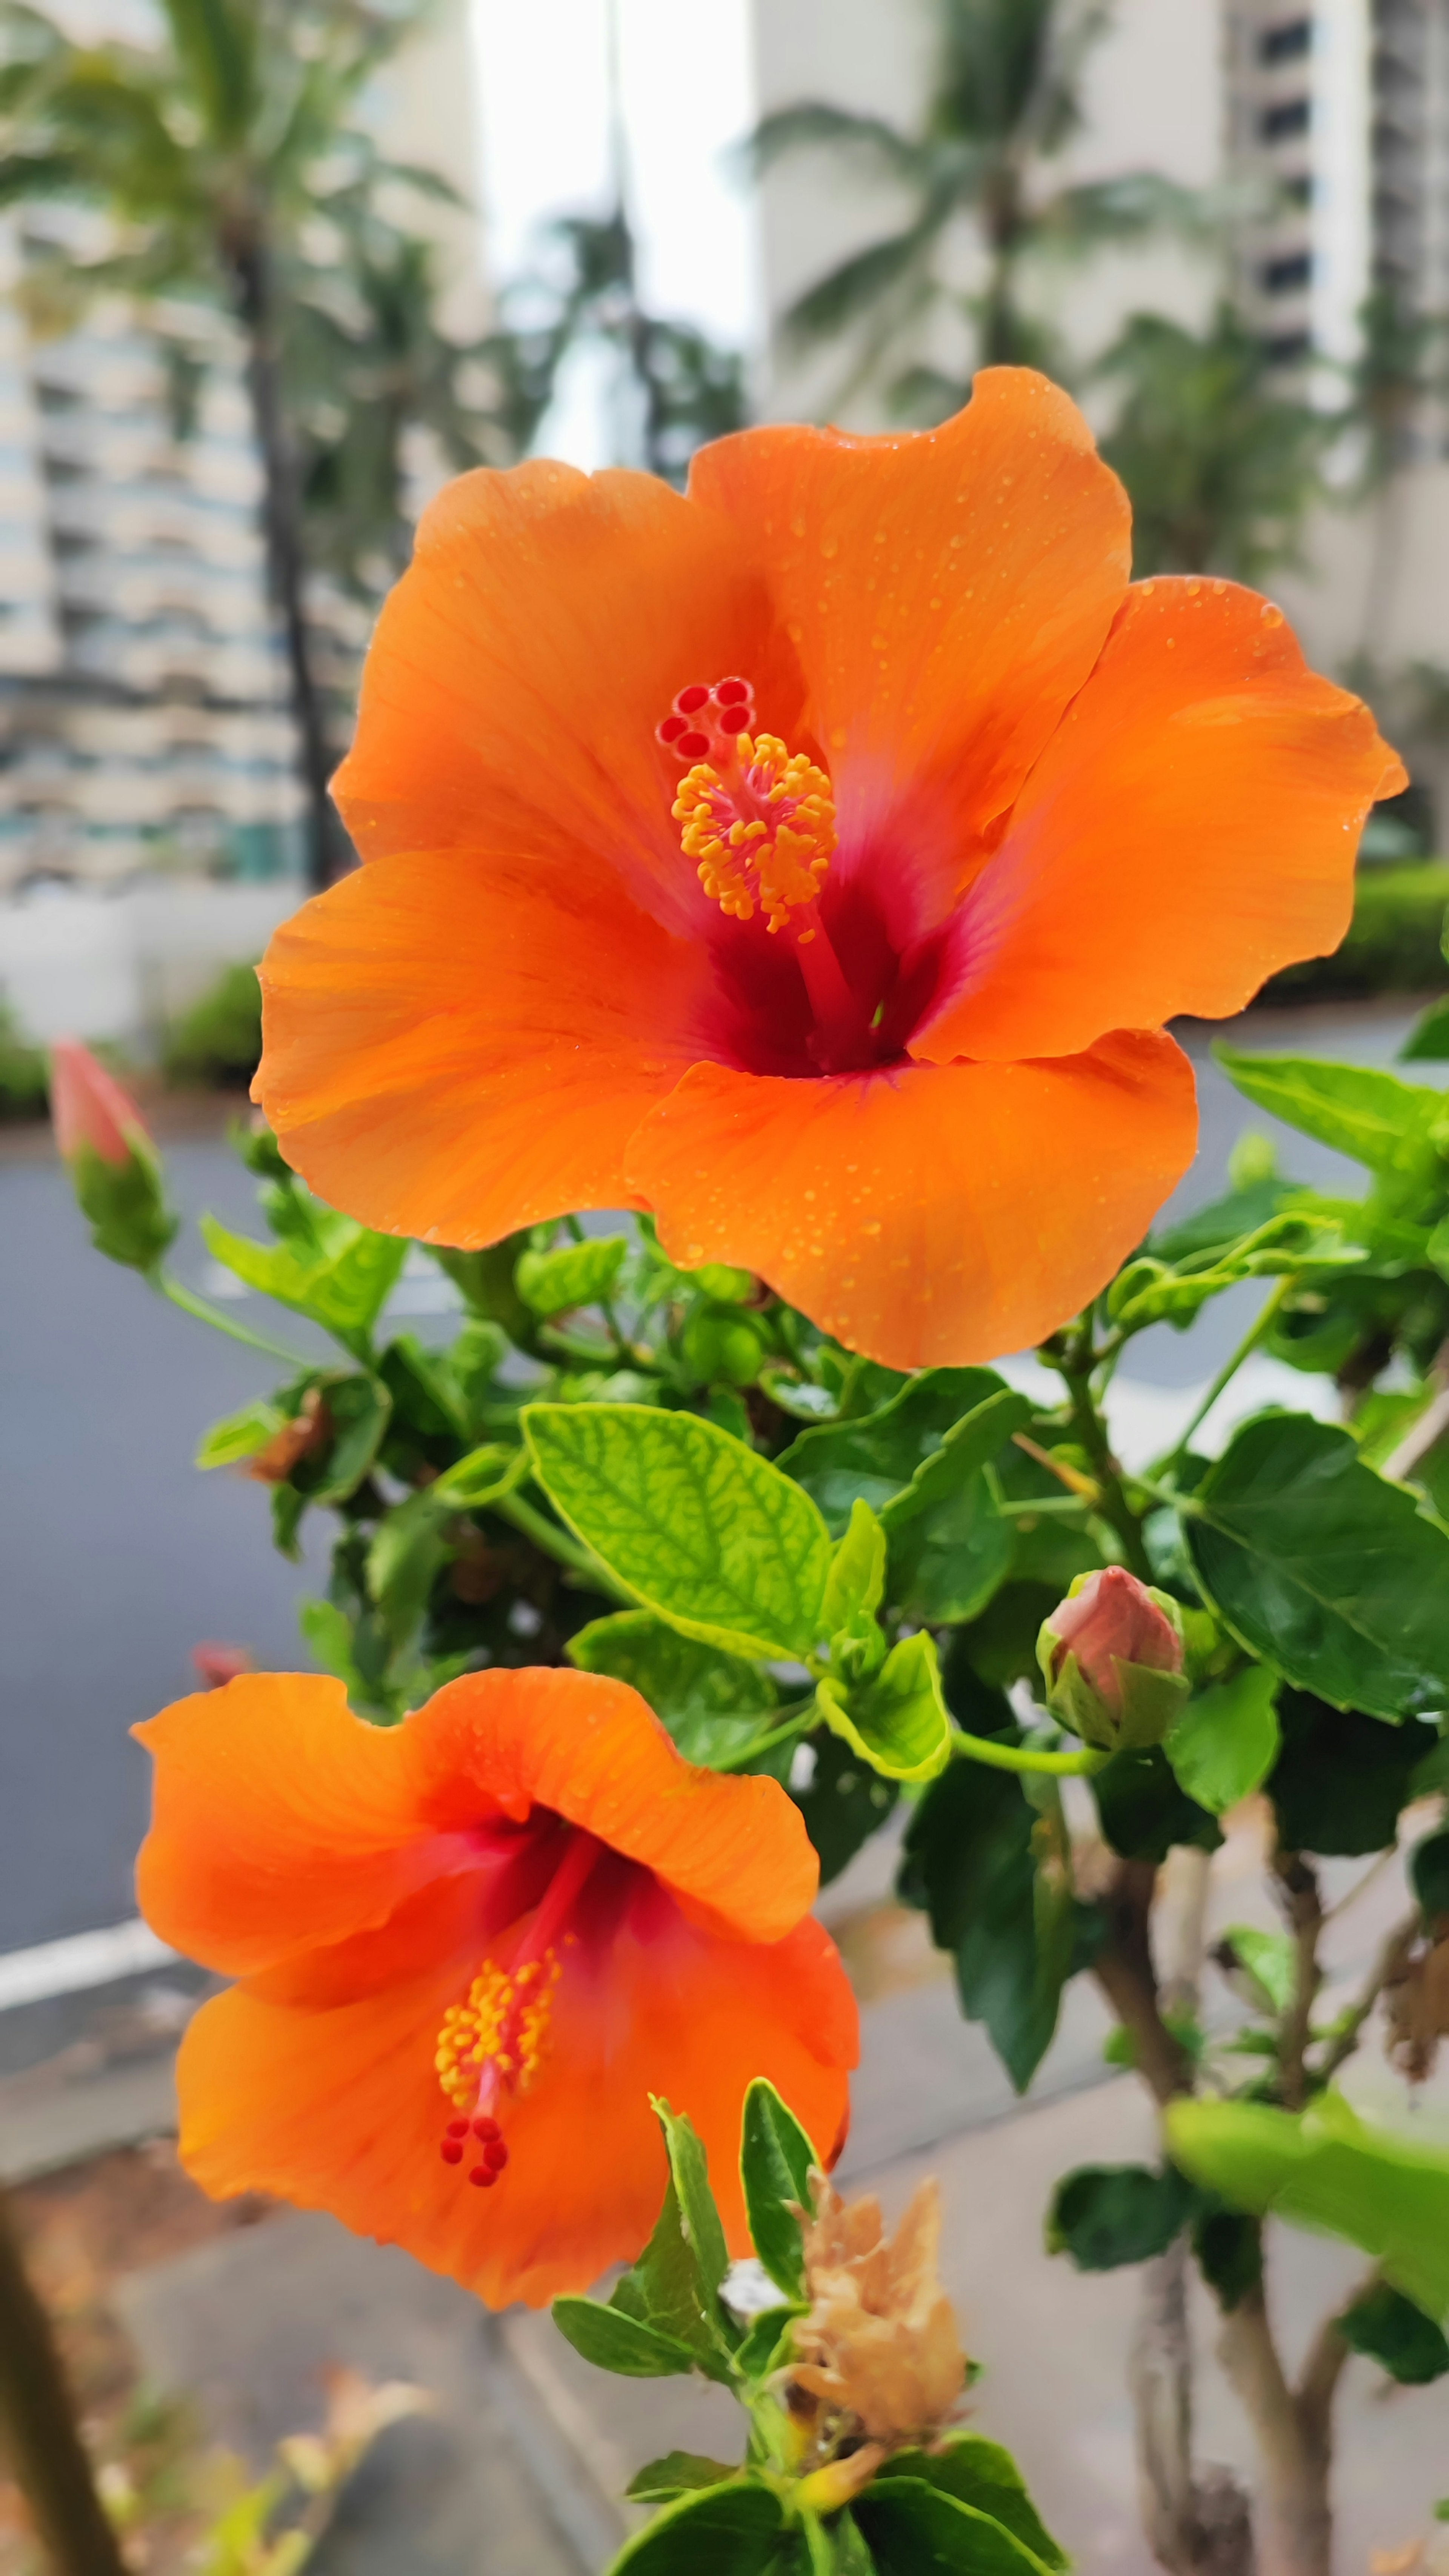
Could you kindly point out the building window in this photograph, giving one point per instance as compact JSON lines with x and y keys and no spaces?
{"x":1287,"y":348}
{"x":1287,"y":42}
{"x":1289,"y":117}
{"x":1287,"y":276}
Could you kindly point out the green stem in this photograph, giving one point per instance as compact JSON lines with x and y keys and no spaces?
{"x":556,"y":1542}
{"x":205,"y":1313}
{"x":1229,"y":1371}
{"x":1075,"y":1368}
{"x":1022,"y":1757}
{"x":794,"y":1726}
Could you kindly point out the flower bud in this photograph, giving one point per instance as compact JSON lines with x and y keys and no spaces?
{"x":1112,"y":1657}
{"x":114,"y":1167}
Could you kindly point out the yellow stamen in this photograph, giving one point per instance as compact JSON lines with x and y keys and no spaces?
{"x":504,"y":2024}
{"x":759,"y":830}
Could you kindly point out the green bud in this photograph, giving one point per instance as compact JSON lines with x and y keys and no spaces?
{"x":1112,"y":1658}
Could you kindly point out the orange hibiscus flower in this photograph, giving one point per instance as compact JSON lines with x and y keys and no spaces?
{"x":469,"y":1948}
{"x":813,"y":860}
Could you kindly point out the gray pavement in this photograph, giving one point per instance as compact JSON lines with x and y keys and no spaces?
{"x":116,"y":1556}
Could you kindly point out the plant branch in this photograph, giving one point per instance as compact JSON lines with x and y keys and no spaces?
{"x":557,"y":1543}
{"x":1390,"y":1959}
{"x":206,"y":1313}
{"x":1024,"y":1757}
{"x":1226,"y":1374}
{"x":1128,"y":1978}
{"x":1298,"y":1894}
{"x":38,"y":2431}
{"x":1075,"y":1361}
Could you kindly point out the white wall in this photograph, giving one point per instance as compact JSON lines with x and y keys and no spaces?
{"x":119,"y":966}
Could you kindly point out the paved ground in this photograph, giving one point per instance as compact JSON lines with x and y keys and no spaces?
{"x":118,"y":1557}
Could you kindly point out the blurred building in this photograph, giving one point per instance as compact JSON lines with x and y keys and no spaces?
{"x":145,"y":736}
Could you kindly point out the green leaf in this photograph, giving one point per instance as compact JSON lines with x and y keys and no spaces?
{"x":480,"y":1478}
{"x":344,"y":1292}
{"x":1145,"y":1814}
{"x":666,"y":2291}
{"x":578,"y":1274}
{"x":328,"y":1631}
{"x":845,"y":1803}
{"x":240,"y":1435}
{"x":760,"y":2351}
{"x":776,"y":2156}
{"x":710,"y":1702}
{"x":1341,"y":1780}
{"x":360,"y":1410}
{"x":732,"y":2530}
{"x":1229,"y":2250}
{"x":969,"y":1862}
{"x":1429,"y":1873}
{"x":898,"y":1720}
{"x":1105,"y":2216}
{"x":1270,"y":1960}
{"x":871,"y":1458}
{"x":699,"y":2218}
{"x":950,"y":1548}
{"x":1323,"y":1569}
{"x":1226,"y":1741}
{"x":1152,"y":1291}
{"x":1326,"y":2169}
{"x":613,"y":2340}
{"x":979,"y":2472}
{"x":696,"y":1525}
{"x":1388,"y":1125}
{"x":1428,"y":1040}
{"x":678,"y":2473}
{"x":915,"y":2529}
{"x":856,"y":1581}
{"x":1390,"y":2330}
{"x":405,"y":1559}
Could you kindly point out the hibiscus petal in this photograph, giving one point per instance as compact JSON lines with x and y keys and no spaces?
{"x":341,"y":2109}
{"x":1191,"y":827}
{"x":520,"y":667}
{"x":735,"y":1849}
{"x":456,"y":1046}
{"x":279,"y":1821}
{"x":932,"y":1214}
{"x":948,"y":592}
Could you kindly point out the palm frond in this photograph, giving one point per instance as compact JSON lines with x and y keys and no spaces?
{"x":1082,"y":219}
{"x":815,"y":125}
{"x":847,"y":294}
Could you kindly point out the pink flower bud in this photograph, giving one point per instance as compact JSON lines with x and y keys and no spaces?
{"x":216,"y":1665}
{"x":89,"y":1107}
{"x":1115,"y":1620}
{"x":1112,"y":1656}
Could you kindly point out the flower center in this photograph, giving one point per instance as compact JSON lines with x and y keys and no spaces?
{"x":491,"y":2046}
{"x":758,"y":820}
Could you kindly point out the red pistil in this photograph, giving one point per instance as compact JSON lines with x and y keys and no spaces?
{"x":500,"y":2074}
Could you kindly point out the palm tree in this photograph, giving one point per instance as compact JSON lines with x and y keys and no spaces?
{"x":1004,"y":102}
{"x":1220,"y":465}
{"x":367,"y":366}
{"x":213,"y":154}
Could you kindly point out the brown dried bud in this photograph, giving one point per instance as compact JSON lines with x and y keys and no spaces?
{"x":309,"y":1430}
{"x":1418,"y":2008}
{"x":878,"y":2359}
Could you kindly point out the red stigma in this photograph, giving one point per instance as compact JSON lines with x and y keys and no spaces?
{"x":485,"y":2128}
{"x":452,"y":2153}
{"x":732,"y":692}
{"x":457,"y":2128}
{"x":671,"y":729}
{"x":693,"y":745}
{"x":495,"y":2155}
{"x":690,"y":700}
{"x":483,"y":2176}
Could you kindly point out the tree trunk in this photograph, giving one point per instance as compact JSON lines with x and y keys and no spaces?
{"x":327,"y":850}
{"x":38,"y":2435}
{"x":1294,"y":2513}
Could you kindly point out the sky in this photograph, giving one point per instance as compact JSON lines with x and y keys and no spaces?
{"x":687,"y":90}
